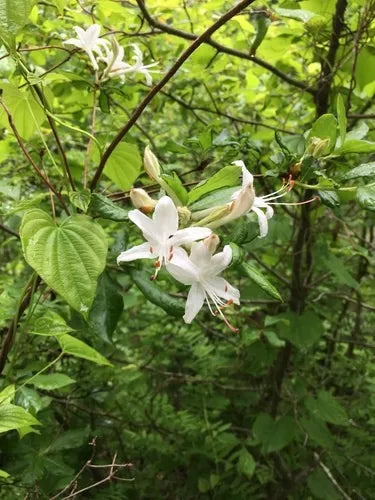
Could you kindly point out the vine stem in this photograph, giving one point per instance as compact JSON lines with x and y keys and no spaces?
{"x":54,"y":361}
{"x":157,"y":88}
{"x":92,"y":132}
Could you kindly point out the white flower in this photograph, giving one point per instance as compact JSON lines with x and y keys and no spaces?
{"x":162,"y":234}
{"x":244,"y":201}
{"x":139,"y":67}
{"x":113,"y":59}
{"x":90,"y":42}
{"x":201,"y":271}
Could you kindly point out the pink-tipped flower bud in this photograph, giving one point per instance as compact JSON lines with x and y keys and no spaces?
{"x":212,"y":242}
{"x":142,"y":200}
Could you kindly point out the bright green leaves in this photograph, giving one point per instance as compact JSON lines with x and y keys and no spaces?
{"x":15,"y":417}
{"x":101,"y":206}
{"x":366,"y":197}
{"x":81,"y":199}
{"x":124,"y":165}
{"x":261,"y":21}
{"x":68,"y":257}
{"x":253,"y":272}
{"x":154,"y":294}
{"x":175,"y":184}
{"x":26,"y":113}
{"x":226,"y":177}
{"x":325,"y":127}
{"x":52,"y":382}
{"x":75,"y":347}
{"x":13,"y":16}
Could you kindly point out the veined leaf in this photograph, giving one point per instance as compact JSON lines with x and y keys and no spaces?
{"x":174,"y":183}
{"x":254,"y":274}
{"x":365,"y":170}
{"x":52,"y":381}
{"x":15,"y":417}
{"x":102,"y":206}
{"x":26,"y":113}
{"x":75,"y":347}
{"x":68,"y":257}
{"x":355,"y":146}
{"x":366,"y":197}
{"x":124,"y":165}
{"x":226,"y":177}
{"x":326,"y":408}
{"x":13,"y":16}
{"x":156,"y":295}
{"x":81,"y":199}
{"x":325,"y":127}
{"x":7,"y":394}
{"x":298,"y":14}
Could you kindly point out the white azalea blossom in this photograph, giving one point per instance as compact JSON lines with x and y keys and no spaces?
{"x":115,"y":65}
{"x":164,"y":239}
{"x":201,"y":271}
{"x":139,"y":67}
{"x":245,"y":200}
{"x":89,"y":41}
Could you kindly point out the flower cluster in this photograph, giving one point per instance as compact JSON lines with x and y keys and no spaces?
{"x":110,"y":53}
{"x":167,"y":244}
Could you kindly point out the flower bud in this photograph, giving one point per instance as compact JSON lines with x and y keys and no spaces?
{"x":184,"y":216}
{"x":318,"y":147}
{"x":142,"y":200}
{"x":151,"y":164}
{"x":212,"y":242}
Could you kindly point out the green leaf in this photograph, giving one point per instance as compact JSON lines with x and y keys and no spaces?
{"x":329,"y":198}
{"x":106,"y":308}
{"x":274,"y":435}
{"x":81,"y":199}
{"x":355,"y":146}
{"x":321,"y":486}
{"x":26,"y":113}
{"x":48,"y":323}
{"x":341,"y":116}
{"x":154,"y":294}
{"x":101,"y":206}
{"x":261,"y":22}
{"x":298,"y":14}
{"x":366,"y":197}
{"x":7,"y":394}
{"x":326,"y":408}
{"x":13,"y":16}
{"x":15,"y":417}
{"x":253,"y":272}
{"x":124,"y":165}
{"x":52,"y":382}
{"x":69,"y":257}
{"x":318,"y":432}
{"x":4,"y":474}
{"x":303,"y":329}
{"x":174,"y":183}
{"x":227,"y":176}
{"x":75,"y":347}
{"x":364,"y":170}
{"x":216,"y":198}
{"x":340,"y":270}
{"x":70,"y":439}
{"x":246,"y":463}
{"x":325,"y":127}
{"x":274,"y":340}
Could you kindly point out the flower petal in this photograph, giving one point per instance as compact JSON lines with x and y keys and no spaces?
{"x":247,"y":177}
{"x":92,"y":34}
{"x":262,"y":221}
{"x":145,"y":224}
{"x":138,"y":252}
{"x":74,"y":41}
{"x":188,"y":235}
{"x":194,"y":302}
{"x":181,"y":268}
{"x":201,"y":256}
{"x":223,"y":289}
{"x":165,"y":218}
{"x":221,"y":260}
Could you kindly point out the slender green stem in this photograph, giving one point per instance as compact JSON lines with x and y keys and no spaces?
{"x":40,"y":371}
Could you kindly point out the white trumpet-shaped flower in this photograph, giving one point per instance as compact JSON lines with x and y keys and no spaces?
{"x":201,"y":271}
{"x":164,"y":239}
{"x":245,"y":200}
{"x":89,"y":41}
{"x":139,"y":67}
{"x":113,"y":58}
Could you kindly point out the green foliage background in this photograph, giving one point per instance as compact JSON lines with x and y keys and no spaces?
{"x":283,"y":409}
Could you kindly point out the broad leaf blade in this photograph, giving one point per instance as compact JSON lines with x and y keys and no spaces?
{"x":124,"y":165}
{"x":226,"y":177}
{"x":75,"y":347}
{"x":69,"y":257}
{"x":15,"y":417}
{"x":254,"y":274}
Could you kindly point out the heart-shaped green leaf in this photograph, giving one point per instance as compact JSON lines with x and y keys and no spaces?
{"x":68,"y":257}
